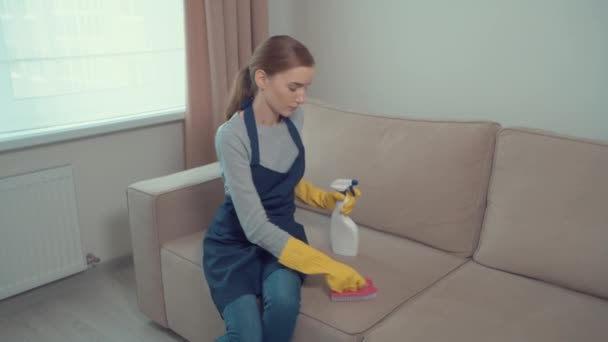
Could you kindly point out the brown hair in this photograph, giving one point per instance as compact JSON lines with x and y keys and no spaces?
{"x":276,"y":54}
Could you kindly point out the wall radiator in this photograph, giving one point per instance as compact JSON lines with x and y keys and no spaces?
{"x":39,"y":232}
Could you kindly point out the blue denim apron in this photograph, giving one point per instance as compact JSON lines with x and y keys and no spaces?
{"x":234,"y":266}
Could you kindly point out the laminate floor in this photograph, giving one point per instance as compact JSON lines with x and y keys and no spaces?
{"x":99,"y":304}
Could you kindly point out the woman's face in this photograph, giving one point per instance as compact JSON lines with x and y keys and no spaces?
{"x":285,"y":91}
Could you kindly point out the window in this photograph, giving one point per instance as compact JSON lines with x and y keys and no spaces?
{"x":64,"y":62}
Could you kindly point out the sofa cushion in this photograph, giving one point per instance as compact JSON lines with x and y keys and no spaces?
{"x":424,"y":180}
{"x":190,"y":310}
{"x":400,"y":268}
{"x":477,"y":303}
{"x":547,"y":214}
{"x":310,"y":329}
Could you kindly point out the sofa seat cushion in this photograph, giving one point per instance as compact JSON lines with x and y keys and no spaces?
{"x":476,"y":303}
{"x":190,"y":310}
{"x":188,"y":247}
{"x":399,"y":267}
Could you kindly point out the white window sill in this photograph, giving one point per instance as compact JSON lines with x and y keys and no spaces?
{"x":30,"y":138}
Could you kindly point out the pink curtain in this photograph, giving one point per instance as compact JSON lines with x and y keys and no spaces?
{"x":220,"y":37}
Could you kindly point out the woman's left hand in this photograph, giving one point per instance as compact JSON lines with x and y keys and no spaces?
{"x":347,"y":208}
{"x":316,"y":197}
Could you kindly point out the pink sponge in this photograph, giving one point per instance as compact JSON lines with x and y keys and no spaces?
{"x":368,"y":292}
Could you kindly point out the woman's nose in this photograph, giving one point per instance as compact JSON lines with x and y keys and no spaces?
{"x":300,"y":98}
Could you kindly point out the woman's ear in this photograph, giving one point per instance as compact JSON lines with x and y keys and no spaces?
{"x":260,"y":78}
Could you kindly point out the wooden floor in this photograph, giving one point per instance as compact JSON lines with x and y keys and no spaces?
{"x":99,"y":304}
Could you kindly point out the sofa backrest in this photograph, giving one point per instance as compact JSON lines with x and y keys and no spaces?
{"x":424,"y":180}
{"x":547,"y":215}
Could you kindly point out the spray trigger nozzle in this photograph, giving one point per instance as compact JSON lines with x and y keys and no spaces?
{"x":345,"y":185}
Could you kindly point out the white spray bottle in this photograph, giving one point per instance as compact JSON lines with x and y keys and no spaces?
{"x":344,"y":233}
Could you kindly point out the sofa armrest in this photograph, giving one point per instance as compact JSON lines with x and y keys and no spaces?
{"x":163,"y":209}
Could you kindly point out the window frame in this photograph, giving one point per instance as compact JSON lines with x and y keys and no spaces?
{"x":57,"y":134}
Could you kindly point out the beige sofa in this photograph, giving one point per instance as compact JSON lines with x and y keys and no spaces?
{"x":471,"y":233}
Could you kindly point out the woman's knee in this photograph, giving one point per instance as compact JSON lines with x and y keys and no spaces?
{"x":282,"y":304}
{"x":243,"y":321}
{"x":282,"y":292}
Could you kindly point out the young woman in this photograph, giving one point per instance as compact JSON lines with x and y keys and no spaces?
{"x":254,"y":247}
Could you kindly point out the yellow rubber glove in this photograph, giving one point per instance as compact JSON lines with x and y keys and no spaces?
{"x":315,"y":197}
{"x":301,"y":257}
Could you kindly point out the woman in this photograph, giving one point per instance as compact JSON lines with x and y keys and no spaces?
{"x":253,"y":246}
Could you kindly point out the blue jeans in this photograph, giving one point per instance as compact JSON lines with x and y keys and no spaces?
{"x":276,"y":322}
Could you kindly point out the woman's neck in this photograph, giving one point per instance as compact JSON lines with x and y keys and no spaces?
{"x":263,"y":114}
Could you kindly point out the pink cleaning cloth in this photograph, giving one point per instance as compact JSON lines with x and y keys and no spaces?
{"x":368,"y":292}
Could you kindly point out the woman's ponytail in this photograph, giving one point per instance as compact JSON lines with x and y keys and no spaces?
{"x":242,"y":88}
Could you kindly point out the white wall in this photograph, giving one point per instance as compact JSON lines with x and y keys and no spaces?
{"x":103,"y":168}
{"x":539,"y":63}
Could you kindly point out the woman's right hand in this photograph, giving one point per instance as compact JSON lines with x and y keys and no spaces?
{"x":301,"y":257}
{"x":344,"y":278}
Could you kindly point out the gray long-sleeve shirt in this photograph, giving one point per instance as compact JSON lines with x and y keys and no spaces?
{"x":277,"y":151}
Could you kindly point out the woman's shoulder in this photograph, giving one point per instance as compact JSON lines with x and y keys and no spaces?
{"x":231,"y":132}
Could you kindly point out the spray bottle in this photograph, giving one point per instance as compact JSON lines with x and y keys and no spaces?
{"x":344,"y":233}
